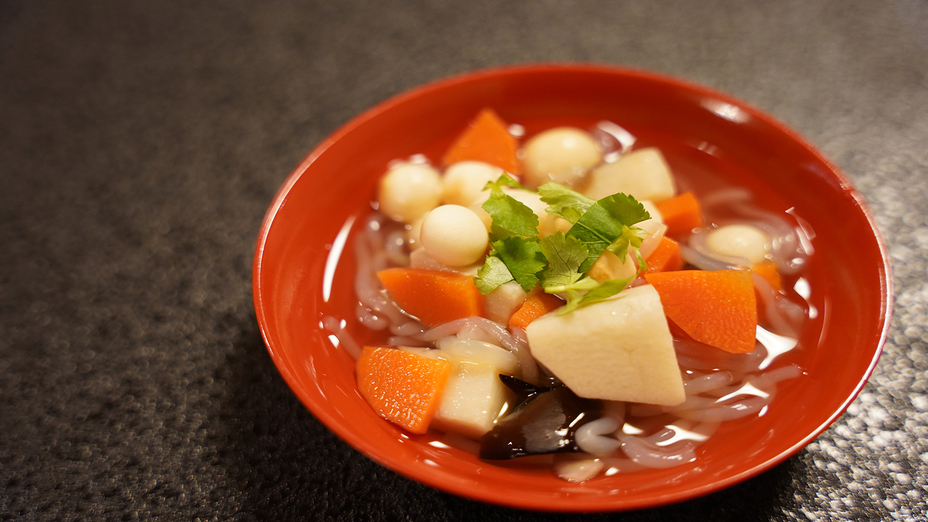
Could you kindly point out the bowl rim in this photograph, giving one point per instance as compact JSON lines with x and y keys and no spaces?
{"x":615,"y":504}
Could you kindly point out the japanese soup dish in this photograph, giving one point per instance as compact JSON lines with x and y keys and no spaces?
{"x":560,"y":299}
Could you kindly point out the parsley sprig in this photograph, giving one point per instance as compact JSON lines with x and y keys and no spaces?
{"x":559,"y":263}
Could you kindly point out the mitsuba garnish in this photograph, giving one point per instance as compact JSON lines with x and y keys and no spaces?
{"x":559,"y":262}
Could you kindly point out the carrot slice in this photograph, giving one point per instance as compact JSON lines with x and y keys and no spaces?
{"x":681,"y":214}
{"x":435,"y":297}
{"x":537,"y":304}
{"x":768,"y":270}
{"x":715,"y":308}
{"x":486,"y":139}
{"x":402,"y":387}
{"x":666,"y":257}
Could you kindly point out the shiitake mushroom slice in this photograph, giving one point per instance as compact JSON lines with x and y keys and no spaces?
{"x":545,"y":421}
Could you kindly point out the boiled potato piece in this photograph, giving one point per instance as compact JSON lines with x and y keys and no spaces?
{"x":505,"y":300}
{"x":653,"y":227}
{"x":619,"y":349}
{"x":474,"y":395}
{"x":643,"y":174}
{"x":472,"y":400}
{"x":608,"y":266}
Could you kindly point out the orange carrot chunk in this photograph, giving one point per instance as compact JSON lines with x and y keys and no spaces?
{"x":666,"y":257}
{"x":433,"y":296}
{"x":715,"y":308}
{"x":402,"y":387}
{"x":486,"y":139}
{"x":681,"y":214}
{"x":536,"y":305}
{"x":768,"y":270}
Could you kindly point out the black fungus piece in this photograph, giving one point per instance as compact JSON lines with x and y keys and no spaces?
{"x":545,"y":421}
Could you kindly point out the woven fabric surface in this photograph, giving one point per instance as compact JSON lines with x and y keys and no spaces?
{"x":141,"y":143}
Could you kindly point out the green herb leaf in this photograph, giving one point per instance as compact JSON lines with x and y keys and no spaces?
{"x":503,"y":181}
{"x":562,"y":275}
{"x":510,"y":216}
{"x":563,"y":202}
{"x":564,"y":255}
{"x":606,"y":289}
{"x":559,"y":262}
{"x":607,"y":224}
{"x":492,"y":274}
{"x":522,"y":258}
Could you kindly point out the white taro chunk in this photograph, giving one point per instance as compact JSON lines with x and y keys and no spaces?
{"x":643,"y":174}
{"x":619,"y":349}
{"x":464,"y":181}
{"x":454,"y":235}
{"x":505,"y":300}
{"x":408,"y":191}
{"x":654,"y":229}
{"x":563,"y":155}
{"x":744,"y":241}
{"x":474,"y":395}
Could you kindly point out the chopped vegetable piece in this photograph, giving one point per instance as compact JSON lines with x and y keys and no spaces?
{"x":609,"y":266}
{"x":681,"y":214}
{"x":546,"y":422}
{"x":473,"y":395}
{"x":643,"y":174}
{"x":472,"y":400}
{"x":433,"y":296}
{"x":537,"y":305}
{"x":617,"y":349}
{"x":486,"y":139}
{"x":715,"y":308}
{"x":402,"y":387}
{"x":768,"y":270}
{"x":500,"y":304}
{"x":666,"y":257}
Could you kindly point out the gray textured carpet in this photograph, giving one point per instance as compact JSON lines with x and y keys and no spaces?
{"x":141,"y":142}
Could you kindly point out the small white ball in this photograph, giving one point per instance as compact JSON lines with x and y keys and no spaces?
{"x":453,"y":235}
{"x":563,"y":155}
{"x":409,"y":190}
{"x":464,"y":181}
{"x":739,"y":240}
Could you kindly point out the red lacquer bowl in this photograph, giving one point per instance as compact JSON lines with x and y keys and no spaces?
{"x":303,"y":269}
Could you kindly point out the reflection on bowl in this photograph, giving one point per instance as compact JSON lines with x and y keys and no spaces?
{"x":304,"y":268}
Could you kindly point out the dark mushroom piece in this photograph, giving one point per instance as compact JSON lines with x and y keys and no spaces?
{"x":545,"y":421}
